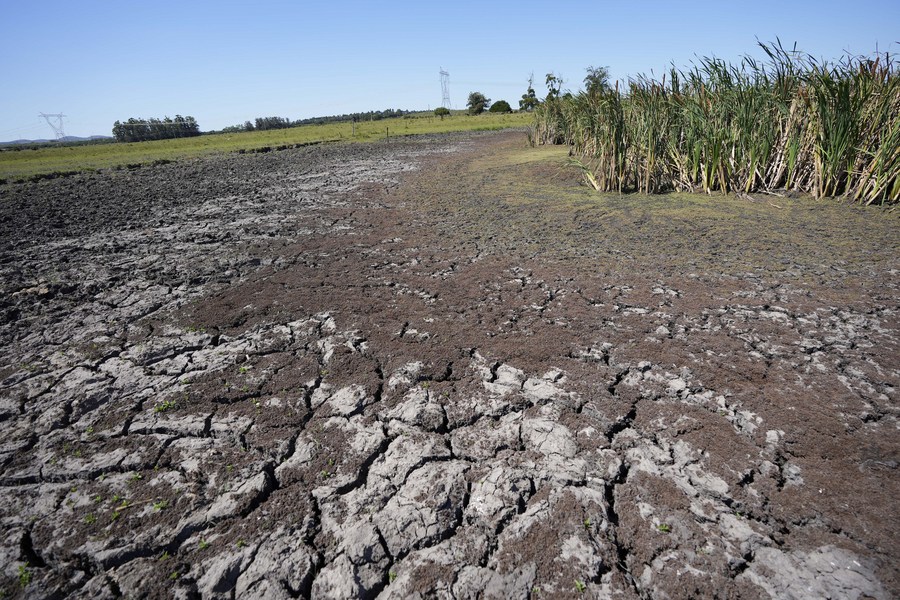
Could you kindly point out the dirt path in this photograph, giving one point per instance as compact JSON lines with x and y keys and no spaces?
{"x":440,"y":367}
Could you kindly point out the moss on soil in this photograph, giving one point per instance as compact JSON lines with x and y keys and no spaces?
{"x":531,"y":200}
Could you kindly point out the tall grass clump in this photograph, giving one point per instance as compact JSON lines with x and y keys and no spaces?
{"x":791,"y":122}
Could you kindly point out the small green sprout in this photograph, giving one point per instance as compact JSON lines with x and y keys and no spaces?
{"x":580,"y":586}
{"x":24,"y":576}
{"x":161,"y":407}
{"x":161,"y":505}
{"x":165,"y":555}
{"x":392,"y":576}
{"x":664,"y":528}
{"x":203,"y":544}
{"x":90,"y":519}
{"x":241,"y":543}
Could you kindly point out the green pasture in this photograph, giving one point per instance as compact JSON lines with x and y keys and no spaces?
{"x":16,"y":165}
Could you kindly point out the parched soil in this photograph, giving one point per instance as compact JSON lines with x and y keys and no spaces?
{"x":441,"y":367}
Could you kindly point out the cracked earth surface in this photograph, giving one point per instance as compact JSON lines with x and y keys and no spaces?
{"x":438,"y":367}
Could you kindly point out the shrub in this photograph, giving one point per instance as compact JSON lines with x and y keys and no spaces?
{"x":477,"y":103}
{"x":500,"y":106}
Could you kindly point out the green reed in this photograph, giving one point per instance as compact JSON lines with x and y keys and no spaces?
{"x":791,"y":122}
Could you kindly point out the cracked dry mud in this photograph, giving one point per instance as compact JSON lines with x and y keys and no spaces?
{"x":438,"y":367}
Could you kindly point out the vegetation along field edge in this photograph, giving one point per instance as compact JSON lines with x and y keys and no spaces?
{"x":48,"y":162}
{"x":793,"y":123}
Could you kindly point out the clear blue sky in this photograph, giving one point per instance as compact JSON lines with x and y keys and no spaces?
{"x":225,"y":62}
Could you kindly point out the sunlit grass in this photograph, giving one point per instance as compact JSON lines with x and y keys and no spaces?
{"x":22,"y":164}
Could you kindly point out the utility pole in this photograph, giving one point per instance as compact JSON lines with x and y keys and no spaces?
{"x":58,"y":126}
{"x":445,"y":88}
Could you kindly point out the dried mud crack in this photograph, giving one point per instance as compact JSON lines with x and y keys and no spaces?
{"x":438,"y":367}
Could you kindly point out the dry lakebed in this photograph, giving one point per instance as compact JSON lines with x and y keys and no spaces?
{"x":440,"y":366}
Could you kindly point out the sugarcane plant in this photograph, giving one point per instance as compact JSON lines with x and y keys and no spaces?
{"x":790,"y":122}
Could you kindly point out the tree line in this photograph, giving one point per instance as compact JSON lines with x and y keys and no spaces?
{"x":142,"y":130}
{"x":265,"y":123}
{"x":372,"y":115}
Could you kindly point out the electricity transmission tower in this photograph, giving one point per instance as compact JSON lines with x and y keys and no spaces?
{"x":58,"y":126}
{"x":445,"y":88}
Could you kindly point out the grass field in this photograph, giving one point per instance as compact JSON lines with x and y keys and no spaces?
{"x":24,"y":164}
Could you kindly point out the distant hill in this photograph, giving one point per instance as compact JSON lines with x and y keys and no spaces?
{"x":69,"y":139}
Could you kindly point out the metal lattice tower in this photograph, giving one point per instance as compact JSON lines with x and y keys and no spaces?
{"x":445,"y":88}
{"x":58,"y":126}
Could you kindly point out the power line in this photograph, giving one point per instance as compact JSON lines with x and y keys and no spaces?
{"x":22,"y":128}
{"x":492,"y":83}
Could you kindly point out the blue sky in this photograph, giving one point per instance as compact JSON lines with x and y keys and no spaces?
{"x":225,"y":62}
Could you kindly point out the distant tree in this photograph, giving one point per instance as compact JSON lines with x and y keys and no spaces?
{"x":597,"y":80}
{"x":529,"y":99}
{"x":477,"y":103}
{"x":264,"y":123}
{"x":240,"y":128}
{"x":281,"y":122}
{"x":554,"y":85}
{"x":373,"y":115}
{"x":442,"y":111}
{"x":500,"y":106}
{"x":140,"y":130}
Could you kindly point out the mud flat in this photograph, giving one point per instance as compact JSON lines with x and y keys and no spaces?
{"x":439,"y":367}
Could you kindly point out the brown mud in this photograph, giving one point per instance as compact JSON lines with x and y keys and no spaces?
{"x":440,"y":367}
